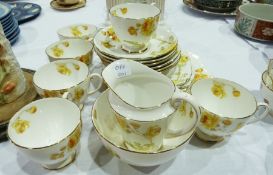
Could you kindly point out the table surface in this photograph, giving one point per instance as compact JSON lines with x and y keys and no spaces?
{"x":224,"y":54}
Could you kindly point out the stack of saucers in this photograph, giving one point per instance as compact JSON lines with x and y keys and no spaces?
{"x":9,"y":23}
{"x":162,"y":54}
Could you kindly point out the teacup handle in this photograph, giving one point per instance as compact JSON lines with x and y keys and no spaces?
{"x":67,"y":95}
{"x":176,"y":100}
{"x":92,"y":76}
{"x":255,"y":118}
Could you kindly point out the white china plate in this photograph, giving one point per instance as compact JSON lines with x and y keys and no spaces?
{"x":161,"y":44}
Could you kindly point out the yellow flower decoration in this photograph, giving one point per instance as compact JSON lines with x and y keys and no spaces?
{"x":107,"y":44}
{"x":141,"y":147}
{"x":132,"y":31}
{"x":20,"y":125}
{"x":85,"y":59}
{"x":209,"y":121}
{"x":85,"y":27}
{"x":74,"y":138}
{"x":124,"y":10}
{"x":78,"y":94}
{"x":75,"y":31}
{"x":227,"y":122}
{"x":218,"y":90}
{"x":57,"y":156}
{"x":66,"y":44}
{"x":57,"y":52}
{"x":111,"y":34}
{"x":236,"y":93}
{"x":148,"y":27}
{"x":63,"y":69}
{"x":152,"y":132}
{"x":76,"y":66}
{"x":32,"y":110}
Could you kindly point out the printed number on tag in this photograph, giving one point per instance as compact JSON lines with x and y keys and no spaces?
{"x":122,"y":70}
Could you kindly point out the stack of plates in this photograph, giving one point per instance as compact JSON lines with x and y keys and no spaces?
{"x":9,"y":23}
{"x":161,"y":55}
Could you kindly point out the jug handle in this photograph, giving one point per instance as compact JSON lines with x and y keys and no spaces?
{"x":91,"y":77}
{"x":176,"y":100}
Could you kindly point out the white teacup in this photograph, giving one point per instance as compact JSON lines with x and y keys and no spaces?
{"x":65,"y":78}
{"x":267,"y":90}
{"x":134,"y":24}
{"x":82,"y":31}
{"x":47,"y":131}
{"x":78,"y":49}
{"x":225,"y":107}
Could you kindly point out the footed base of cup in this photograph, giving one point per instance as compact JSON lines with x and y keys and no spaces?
{"x":129,"y":49}
{"x":61,"y":164}
{"x":201,"y":135}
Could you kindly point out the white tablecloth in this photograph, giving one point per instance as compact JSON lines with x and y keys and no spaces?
{"x":224,"y":54}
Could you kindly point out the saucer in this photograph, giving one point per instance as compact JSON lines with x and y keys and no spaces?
{"x":56,"y":6}
{"x":161,"y":44}
{"x":106,"y":127}
{"x":188,"y":70}
{"x":24,"y":11}
{"x":190,"y":4}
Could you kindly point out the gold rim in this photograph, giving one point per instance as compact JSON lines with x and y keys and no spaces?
{"x":63,"y":58}
{"x":124,"y":149}
{"x":37,"y":148}
{"x":190,"y":91}
{"x":154,"y":16}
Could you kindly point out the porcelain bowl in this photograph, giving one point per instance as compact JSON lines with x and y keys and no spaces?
{"x":83,"y":31}
{"x":106,"y":127}
{"x":255,"y":21}
{"x":47,"y":131}
{"x":218,"y":5}
{"x":78,"y":49}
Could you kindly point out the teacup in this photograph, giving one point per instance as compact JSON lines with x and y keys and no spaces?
{"x":267,"y":90}
{"x":77,"y":49}
{"x":82,"y":31}
{"x":65,"y":78}
{"x":146,"y":113}
{"x":67,"y":2}
{"x":225,"y":107}
{"x":133,"y":28}
{"x":47,"y":131}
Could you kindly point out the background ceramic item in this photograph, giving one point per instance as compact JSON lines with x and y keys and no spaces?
{"x":267,"y":90}
{"x":55,"y":146}
{"x":255,"y":21}
{"x":57,"y":6}
{"x":58,"y":78}
{"x":104,"y":122}
{"x":9,"y":23}
{"x":217,"y":98}
{"x":24,"y":11}
{"x":218,"y":5}
{"x":265,"y":1}
{"x":67,"y":2}
{"x":77,"y":49}
{"x":134,"y":29}
{"x":83,"y":31}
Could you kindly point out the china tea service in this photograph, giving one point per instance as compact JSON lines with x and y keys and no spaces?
{"x":157,"y":96}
